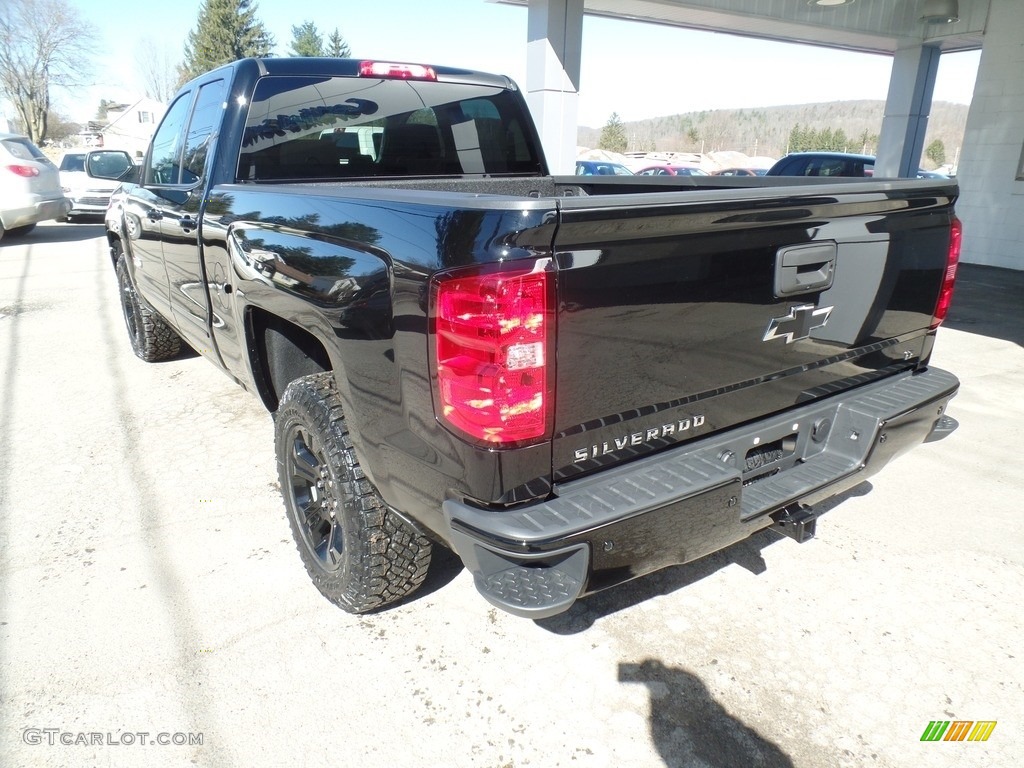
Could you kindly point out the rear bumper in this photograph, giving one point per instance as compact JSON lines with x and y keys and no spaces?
{"x":682,"y":504}
{"x":35,"y":210}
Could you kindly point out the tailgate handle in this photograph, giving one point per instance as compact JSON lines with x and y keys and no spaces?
{"x":804,"y":268}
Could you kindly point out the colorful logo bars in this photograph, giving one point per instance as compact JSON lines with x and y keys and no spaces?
{"x":958,"y":730}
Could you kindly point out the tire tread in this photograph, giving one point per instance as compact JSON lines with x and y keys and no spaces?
{"x":386,"y":559}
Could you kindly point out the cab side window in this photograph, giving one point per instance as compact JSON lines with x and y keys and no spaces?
{"x":206,"y":118}
{"x":164,"y":164}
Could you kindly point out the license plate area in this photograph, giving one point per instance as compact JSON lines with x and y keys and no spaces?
{"x":670,"y":535}
{"x":766,"y":459}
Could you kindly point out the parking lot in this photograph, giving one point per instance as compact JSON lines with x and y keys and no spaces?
{"x":151,"y":591}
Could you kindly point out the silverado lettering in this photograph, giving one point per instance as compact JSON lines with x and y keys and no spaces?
{"x":637,"y":438}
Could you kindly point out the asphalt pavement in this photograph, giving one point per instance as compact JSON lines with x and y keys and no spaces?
{"x":153,"y":610}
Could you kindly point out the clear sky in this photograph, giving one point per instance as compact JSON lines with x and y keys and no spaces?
{"x":637,"y":70}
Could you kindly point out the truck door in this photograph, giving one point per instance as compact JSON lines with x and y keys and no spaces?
{"x":186,"y":276}
{"x":144,"y":207}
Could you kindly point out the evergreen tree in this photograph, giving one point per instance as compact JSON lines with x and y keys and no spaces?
{"x":336,"y":46}
{"x":867,"y":142}
{"x":797,"y":139}
{"x":613,"y":135}
{"x":936,"y":152}
{"x":226,"y":30}
{"x":840,"y":141}
{"x":307,"y":40}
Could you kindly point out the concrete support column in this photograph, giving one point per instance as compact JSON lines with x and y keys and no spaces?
{"x":991,"y":173}
{"x":554,"y":46}
{"x":906,"y":111}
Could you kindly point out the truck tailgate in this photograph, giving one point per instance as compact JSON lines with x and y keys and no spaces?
{"x":678,"y":319}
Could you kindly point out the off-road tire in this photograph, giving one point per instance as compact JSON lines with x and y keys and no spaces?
{"x":151,"y":337}
{"x":358,"y":553}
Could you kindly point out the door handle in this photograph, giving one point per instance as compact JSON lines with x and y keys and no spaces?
{"x":187,"y":223}
{"x":153,"y":214}
{"x":805,"y":268}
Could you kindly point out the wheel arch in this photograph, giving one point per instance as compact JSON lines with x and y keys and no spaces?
{"x":115,"y":247}
{"x":280,"y":352}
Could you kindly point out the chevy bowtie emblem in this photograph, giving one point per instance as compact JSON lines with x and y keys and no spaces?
{"x":798,"y":324}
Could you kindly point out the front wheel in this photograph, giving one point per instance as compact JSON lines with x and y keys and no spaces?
{"x":358,"y":553}
{"x":151,"y":337}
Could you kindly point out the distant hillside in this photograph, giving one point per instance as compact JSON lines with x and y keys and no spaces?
{"x":766,"y":130}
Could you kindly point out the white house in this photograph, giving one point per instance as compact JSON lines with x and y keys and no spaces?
{"x":132,"y":128}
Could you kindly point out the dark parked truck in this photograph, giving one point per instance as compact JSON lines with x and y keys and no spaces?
{"x":568,"y":381}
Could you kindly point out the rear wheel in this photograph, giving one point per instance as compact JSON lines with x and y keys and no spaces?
{"x":358,"y":553}
{"x":151,"y":337}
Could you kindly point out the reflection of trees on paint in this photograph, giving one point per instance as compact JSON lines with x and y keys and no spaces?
{"x":307,"y":119}
{"x":219,"y":204}
{"x":309,"y":223}
{"x":457,"y":235}
{"x":303,"y":259}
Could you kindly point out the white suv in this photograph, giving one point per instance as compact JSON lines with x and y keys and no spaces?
{"x":29,"y":187}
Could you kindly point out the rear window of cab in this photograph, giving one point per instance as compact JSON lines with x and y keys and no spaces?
{"x":301,"y":127}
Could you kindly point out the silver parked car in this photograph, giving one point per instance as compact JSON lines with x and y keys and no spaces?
{"x":89,"y":177}
{"x":29,"y":186}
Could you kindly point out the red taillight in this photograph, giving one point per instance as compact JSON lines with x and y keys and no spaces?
{"x":397,"y":71}
{"x":28,"y":171}
{"x":493,"y":333}
{"x":949,"y":277}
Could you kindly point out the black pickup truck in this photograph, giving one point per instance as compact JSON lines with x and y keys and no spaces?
{"x":568,"y":381}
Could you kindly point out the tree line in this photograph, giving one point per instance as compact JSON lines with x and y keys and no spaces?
{"x":47,"y":45}
{"x":845,"y":126}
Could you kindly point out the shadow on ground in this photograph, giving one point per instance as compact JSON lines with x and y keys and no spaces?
{"x":445,"y":565}
{"x":688,"y":727}
{"x":61,"y":233}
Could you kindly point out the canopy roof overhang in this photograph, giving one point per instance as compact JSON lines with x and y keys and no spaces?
{"x":869,"y":26}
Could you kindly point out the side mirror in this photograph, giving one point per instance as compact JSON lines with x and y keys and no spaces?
{"x":111,"y":164}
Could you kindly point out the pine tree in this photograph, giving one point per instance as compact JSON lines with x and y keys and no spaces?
{"x":336,"y":46}
{"x":613,"y":135}
{"x":307,"y":40}
{"x":936,"y":152}
{"x":226,"y":30}
{"x":797,"y":139}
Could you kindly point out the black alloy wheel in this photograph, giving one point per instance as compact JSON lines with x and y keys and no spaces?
{"x":358,"y":552}
{"x":316,"y":497}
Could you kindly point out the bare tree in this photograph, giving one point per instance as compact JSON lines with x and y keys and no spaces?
{"x":43,"y":44}
{"x":157,"y":66}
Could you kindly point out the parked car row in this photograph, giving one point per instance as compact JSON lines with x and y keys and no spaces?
{"x":795,"y":164}
{"x":34,"y":189}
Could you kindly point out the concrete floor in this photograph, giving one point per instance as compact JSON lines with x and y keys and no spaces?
{"x":150,"y":586}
